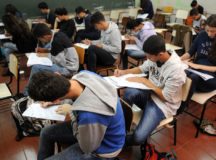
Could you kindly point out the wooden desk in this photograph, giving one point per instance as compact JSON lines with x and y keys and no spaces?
{"x":172,"y":47}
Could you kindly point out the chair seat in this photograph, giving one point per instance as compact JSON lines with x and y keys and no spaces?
{"x":104,"y":68}
{"x":202,"y":98}
{"x":5,"y":92}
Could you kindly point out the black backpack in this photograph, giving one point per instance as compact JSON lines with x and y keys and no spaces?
{"x":25,"y":126}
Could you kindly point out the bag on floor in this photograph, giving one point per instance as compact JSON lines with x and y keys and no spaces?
{"x":150,"y":153}
{"x":26,"y":126}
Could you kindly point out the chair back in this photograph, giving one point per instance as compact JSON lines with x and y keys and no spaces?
{"x":81,"y":54}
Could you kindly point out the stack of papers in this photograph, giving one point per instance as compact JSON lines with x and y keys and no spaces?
{"x":143,"y":16}
{"x":204,"y":76}
{"x":81,"y":45}
{"x":132,"y":47}
{"x":33,"y":59}
{"x":121,"y":82}
{"x":36,"y":111}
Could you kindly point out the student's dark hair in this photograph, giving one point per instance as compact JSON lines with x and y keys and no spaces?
{"x":211,"y":21}
{"x":43,"y":5}
{"x":47,"y":86}
{"x":194,"y":12}
{"x":134,"y":23}
{"x":41,"y":30}
{"x":79,"y":9}
{"x":154,"y":45}
{"x":10,"y":9}
{"x":97,"y":17}
{"x":193,"y":3}
{"x":61,"y":11}
{"x":16,"y":27}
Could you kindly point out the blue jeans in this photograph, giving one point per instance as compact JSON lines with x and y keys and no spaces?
{"x":131,"y":53}
{"x":63,"y":134}
{"x":151,"y":117}
{"x":40,"y":68}
{"x":7,"y":49}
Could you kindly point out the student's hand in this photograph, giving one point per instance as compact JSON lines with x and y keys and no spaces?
{"x":64,"y":109}
{"x":192,"y":65}
{"x":46,"y":104}
{"x":132,"y":38}
{"x":119,"y":72}
{"x":87,"y":42}
{"x":99,"y":45}
{"x":42,"y":54}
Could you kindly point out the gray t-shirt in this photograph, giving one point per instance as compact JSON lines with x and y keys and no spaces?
{"x":169,"y":77}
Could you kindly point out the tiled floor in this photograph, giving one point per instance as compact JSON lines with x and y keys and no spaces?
{"x":187,"y":148}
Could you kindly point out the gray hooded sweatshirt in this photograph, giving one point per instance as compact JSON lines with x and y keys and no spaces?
{"x":111,"y":40}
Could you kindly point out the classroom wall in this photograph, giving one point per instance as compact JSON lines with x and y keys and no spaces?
{"x":30,"y":6}
{"x":209,"y":5}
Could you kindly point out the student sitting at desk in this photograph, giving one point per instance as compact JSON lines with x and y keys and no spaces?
{"x":142,"y":30}
{"x":47,"y":14}
{"x":11,"y":9}
{"x":96,"y":130}
{"x":65,"y":24}
{"x":204,"y":51}
{"x":23,"y":40}
{"x":89,"y":32}
{"x":194,"y":4}
{"x":63,"y":55}
{"x":106,"y":50}
{"x":166,"y":77}
{"x":198,"y":20}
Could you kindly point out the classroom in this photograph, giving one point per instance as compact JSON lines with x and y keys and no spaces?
{"x":108,"y":80}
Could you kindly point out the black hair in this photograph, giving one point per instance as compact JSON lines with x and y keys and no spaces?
{"x":43,"y":5}
{"x":194,"y":12}
{"x":97,"y":17}
{"x":10,"y":9}
{"x":134,"y":23}
{"x":154,"y":45}
{"x":211,"y":21}
{"x":193,"y":3}
{"x":47,"y":86}
{"x":41,"y":30}
{"x":79,"y":9}
{"x":17,"y":27}
{"x":61,"y":11}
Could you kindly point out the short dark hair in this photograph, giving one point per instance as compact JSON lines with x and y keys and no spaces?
{"x":79,"y":9}
{"x":97,"y":17}
{"x":154,"y":45}
{"x":47,"y":86}
{"x":134,"y":23}
{"x":43,"y":5}
{"x":211,"y":21}
{"x":193,"y":3}
{"x":194,"y":12}
{"x":61,"y":11}
{"x":41,"y":30}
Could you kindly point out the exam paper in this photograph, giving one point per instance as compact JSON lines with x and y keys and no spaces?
{"x":84,"y":46}
{"x":132,"y":47}
{"x":204,"y":76}
{"x":33,"y":59}
{"x":121,"y":82}
{"x":35,"y":110}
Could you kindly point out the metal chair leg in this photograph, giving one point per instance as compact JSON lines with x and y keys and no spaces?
{"x":175,"y":131}
{"x":201,"y":119}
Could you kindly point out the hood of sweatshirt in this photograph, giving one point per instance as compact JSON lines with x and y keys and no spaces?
{"x":98,"y":96}
{"x":112,"y":26}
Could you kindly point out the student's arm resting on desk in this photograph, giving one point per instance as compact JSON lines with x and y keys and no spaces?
{"x":72,"y":60}
{"x":202,"y":67}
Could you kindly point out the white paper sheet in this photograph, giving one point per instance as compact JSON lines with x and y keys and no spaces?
{"x":2,"y":36}
{"x":124,"y":38}
{"x":142,"y":16}
{"x":36,"y":111}
{"x":84,"y":46}
{"x":132,"y":47}
{"x":33,"y":59}
{"x":204,"y":76}
{"x":1,"y":24}
{"x":121,"y":82}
